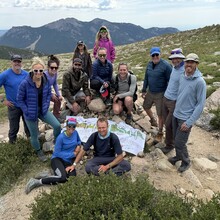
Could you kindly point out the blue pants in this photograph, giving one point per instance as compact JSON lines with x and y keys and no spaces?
{"x":93,"y":165}
{"x":14,"y":115}
{"x":49,"y":118}
{"x":180,"y":140}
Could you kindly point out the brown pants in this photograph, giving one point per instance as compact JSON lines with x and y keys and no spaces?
{"x":167,"y":112}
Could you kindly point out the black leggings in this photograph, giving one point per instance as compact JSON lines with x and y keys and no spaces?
{"x":60,"y":175}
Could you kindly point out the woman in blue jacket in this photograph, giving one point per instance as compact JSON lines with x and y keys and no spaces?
{"x":66,"y":148}
{"x":33,"y":97}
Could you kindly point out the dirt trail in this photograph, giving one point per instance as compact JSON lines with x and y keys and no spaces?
{"x":14,"y":205}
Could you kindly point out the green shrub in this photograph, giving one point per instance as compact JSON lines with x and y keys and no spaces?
{"x":109,"y":197}
{"x":15,"y":158}
{"x":208,"y":210}
{"x":215,"y":122}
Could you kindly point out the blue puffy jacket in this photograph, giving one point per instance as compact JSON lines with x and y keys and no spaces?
{"x":28,"y":97}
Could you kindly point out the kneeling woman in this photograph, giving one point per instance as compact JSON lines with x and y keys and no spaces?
{"x":66,"y":148}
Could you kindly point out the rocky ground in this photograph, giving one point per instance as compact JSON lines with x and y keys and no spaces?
{"x":202,"y":180}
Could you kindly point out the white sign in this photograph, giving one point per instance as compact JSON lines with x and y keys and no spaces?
{"x":132,"y":140}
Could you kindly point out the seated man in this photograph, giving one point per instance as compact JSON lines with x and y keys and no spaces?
{"x":102,"y":70}
{"x":125,"y":86}
{"x":73,"y":81}
{"x":106,"y":146}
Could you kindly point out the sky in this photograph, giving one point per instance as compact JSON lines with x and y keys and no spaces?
{"x":181,"y":14}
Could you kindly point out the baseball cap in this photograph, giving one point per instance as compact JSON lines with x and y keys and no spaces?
{"x":77,"y":60}
{"x":192,"y":57}
{"x":71,"y":121}
{"x":154,"y":50}
{"x":16,"y":57}
{"x":80,"y":42}
{"x":176,"y":53}
{"x":103,"y":91}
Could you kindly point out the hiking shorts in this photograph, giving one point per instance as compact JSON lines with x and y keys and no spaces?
{"x":154,"y":98}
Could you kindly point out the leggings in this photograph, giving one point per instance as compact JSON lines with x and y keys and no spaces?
{"x":58,"y":165}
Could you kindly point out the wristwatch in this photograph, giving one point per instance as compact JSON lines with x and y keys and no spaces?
{"x":74,"y":164}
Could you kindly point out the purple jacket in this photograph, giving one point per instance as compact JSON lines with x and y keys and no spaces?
{"x":108,"y":44}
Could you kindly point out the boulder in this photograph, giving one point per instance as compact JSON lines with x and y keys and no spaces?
{"x":97,"y":105}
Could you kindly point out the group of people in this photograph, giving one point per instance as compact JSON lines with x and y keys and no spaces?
{"x":177,"y":92}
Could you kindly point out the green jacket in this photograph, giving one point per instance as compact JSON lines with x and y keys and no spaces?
{"x":71,"y":85}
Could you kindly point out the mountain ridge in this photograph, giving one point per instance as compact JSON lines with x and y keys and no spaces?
{"x":70,"y":30}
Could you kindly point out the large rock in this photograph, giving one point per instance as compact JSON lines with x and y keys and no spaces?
{"x":204,"y":164}
{"x":145,"y":124}
{"x":97,"y":105}
{"x":213,"y":101}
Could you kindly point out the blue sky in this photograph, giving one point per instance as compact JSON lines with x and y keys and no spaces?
{"x":182,"y":14}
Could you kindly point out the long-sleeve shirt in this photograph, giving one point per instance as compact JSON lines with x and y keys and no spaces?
{"x":65,"y":146}
{"x":124,"y":89}
{"x":173,"y":85}
{"x":191,"y":98}
{"x":11,"y":81}
{"x":157,"y":76}
{"x":53,"y":82}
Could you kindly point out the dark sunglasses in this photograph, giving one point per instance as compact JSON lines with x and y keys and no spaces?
{"x":71,"y":126}
{"x":103,"y":31}
{"x":155,"y":55}
{"x":17,"y":61}
{"x":54,"y":67}
{"x":77,"y":64}
{"x":38,"y":71}
{"x":102,"y":55}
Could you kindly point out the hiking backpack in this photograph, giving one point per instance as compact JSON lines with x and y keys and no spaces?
{"x":135,"y":96}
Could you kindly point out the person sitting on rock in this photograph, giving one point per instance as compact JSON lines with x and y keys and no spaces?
{"x":125,"y":85}
{"x":66,"y":148}
{"x":107,"y":152}
{"x":75,"y":87}
{"x":102,"y":70}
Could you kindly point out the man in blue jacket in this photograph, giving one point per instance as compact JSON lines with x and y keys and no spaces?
{"x":156,"y":79}
{"x":102,"y":70}
{"x":11,"y":79}
{"x":189,"y":105}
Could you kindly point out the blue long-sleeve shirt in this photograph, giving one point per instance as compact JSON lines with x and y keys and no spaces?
{"x":157,"y":76}
{"x":191,"y":98}
{"x":65,"y":146}
{"x":173,"y":85}
{"x":102,"y":71}
{"x":11,"y":81}
{"x":53,"y":82}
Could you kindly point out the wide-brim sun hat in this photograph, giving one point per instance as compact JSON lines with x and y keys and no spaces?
{"x":176,"y":53}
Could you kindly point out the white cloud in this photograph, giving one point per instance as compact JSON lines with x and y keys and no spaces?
{"x":57,"y":4}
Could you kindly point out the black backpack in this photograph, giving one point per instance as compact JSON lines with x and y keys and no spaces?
{"x":135,"y":96}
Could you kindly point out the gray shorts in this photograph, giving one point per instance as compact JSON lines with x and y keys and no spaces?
{"x":78,"y":95}
{"x":154,"y":98}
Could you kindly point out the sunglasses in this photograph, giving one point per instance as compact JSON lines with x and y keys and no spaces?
{"x":103,"y":31}
{"x":77,"y":64}
{"x":71,"y":126}
{"x":102,"y":55}
{"x":155,"y":55}
{"x":53,"y":67}
{"x":16,"y":61}
{"x":38,"y":71}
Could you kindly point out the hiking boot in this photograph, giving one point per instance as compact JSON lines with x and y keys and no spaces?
{"x":167,"y":149}
{"x":158,"y":137}
{"x":183,"y":167}
{"x":108,"y":102}
{"x":153,"y":122}
{"x":128,"y":119}
{"x":173,"y":160}
{"x":32,"y":183}
{"x":41,"y":156}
